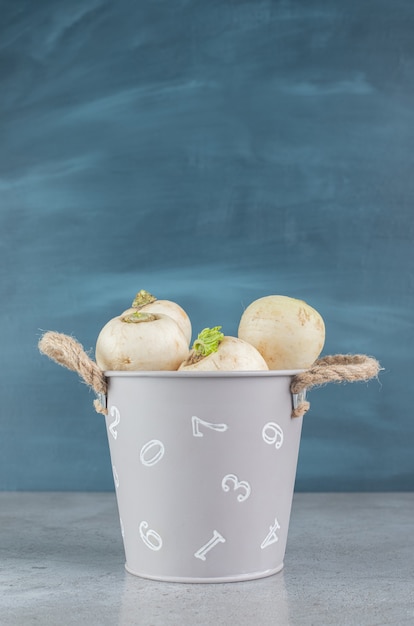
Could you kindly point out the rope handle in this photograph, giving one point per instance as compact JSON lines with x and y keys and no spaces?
{"x":68,"y":352}
{"x":336,"y":368}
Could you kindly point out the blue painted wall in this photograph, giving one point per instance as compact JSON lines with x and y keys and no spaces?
{"x":211,"y":152}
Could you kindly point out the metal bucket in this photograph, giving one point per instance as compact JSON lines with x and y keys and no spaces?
{"x":204,"y":467}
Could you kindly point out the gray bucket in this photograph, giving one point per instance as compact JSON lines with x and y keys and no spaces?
{"x":204,"y":467}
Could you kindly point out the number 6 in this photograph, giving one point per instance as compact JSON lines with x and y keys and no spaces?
{"x":151,"y":538}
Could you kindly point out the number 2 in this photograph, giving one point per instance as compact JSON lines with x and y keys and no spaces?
{"x":112,"y":426}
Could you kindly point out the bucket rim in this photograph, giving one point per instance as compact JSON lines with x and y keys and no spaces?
{"x":201,"y":374}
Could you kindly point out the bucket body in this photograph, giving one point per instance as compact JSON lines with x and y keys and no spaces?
{"x":204,"y":466}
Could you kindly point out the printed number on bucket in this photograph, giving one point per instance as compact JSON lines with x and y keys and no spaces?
{"x":237,"y":484}
{"x":152,"y":452}
{"x":116,"y":477}
{"x":150,"y":537}
{"x":271,"y":537}
{"x":114,"y":412}
{"x":273,"y":434}
{"x":216,"y":538}
{"x":197,"y":422}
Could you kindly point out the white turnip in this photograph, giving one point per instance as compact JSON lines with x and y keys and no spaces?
{"x":147,"y":303}
{"x":212,"y":350}
{"x":141,"y":341}
{"x":288,"y":333}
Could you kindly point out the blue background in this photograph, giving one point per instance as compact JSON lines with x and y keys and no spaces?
{"x":212,"y":153}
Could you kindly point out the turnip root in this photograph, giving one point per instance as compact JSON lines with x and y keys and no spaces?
{"x":141,"y":341}
{"x":212,"y":350}
{"x":288,"y":333}
{"x":147,"y":303}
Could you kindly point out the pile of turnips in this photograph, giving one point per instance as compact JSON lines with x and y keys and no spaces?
{"x":275,"y":333}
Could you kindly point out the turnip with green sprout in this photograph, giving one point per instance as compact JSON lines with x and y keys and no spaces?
{"x":141,"y":341}
{"x":147,"y":303}
{"x":213,"y":351}
{"x":287,"y":332}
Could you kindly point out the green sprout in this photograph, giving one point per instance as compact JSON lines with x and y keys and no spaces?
{"x":137,"y":316}
{"x":142,"y":298}
{"x":208,"y":341}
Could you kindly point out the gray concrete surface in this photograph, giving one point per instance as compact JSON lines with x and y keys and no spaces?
{"x":349,"y":561}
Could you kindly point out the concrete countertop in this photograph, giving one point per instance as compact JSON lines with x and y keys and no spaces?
{"x":349,"y":561}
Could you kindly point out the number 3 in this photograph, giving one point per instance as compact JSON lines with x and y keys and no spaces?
{"x":242,"y":484}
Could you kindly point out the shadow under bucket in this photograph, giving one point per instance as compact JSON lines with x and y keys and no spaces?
{"x":204,"y":466}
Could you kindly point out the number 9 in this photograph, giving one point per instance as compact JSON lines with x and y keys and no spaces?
{"x":273,"y":435}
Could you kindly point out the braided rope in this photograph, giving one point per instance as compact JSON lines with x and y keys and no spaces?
{"x":336,"y":368}
{"x":68,"y":352}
